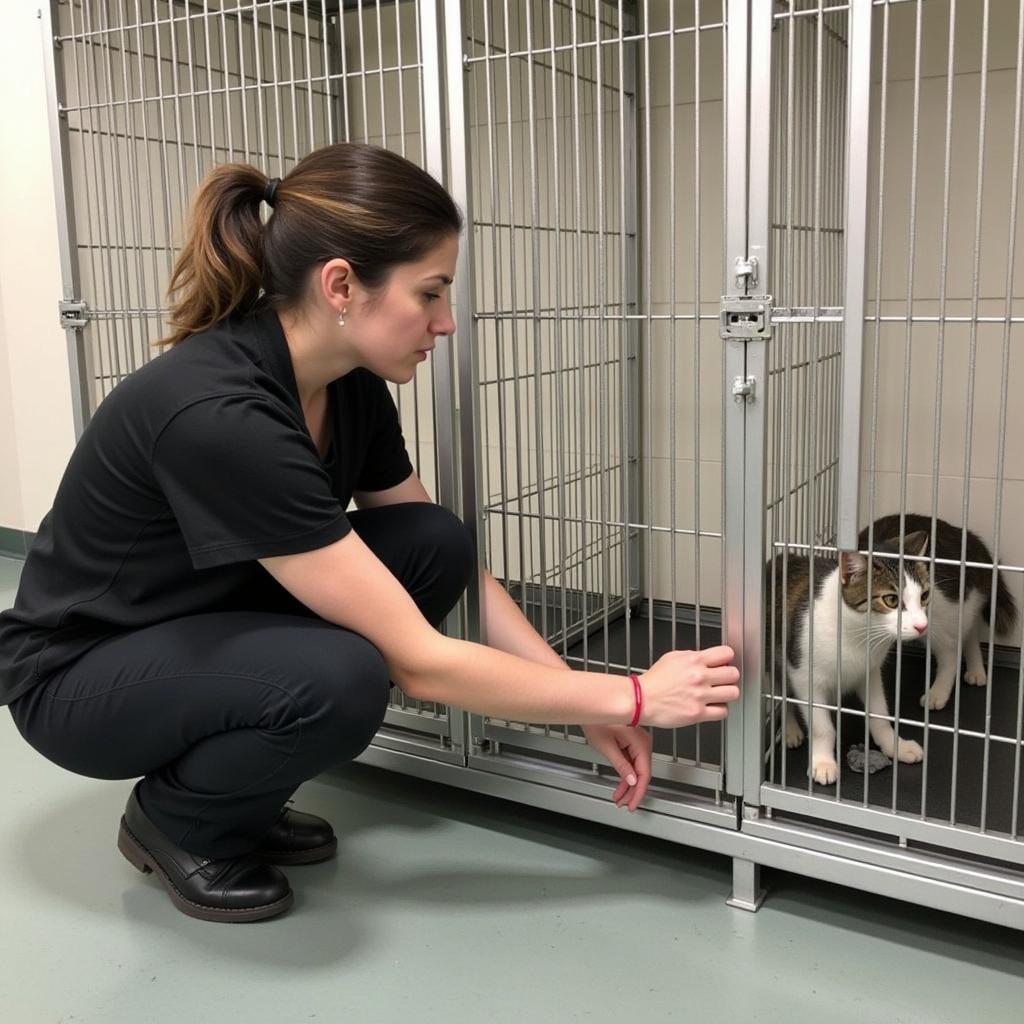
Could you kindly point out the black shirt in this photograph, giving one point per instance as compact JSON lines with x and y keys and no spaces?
{"x":193,"y":467}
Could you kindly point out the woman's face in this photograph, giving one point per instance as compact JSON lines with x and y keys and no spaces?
{"x":395,"y":328}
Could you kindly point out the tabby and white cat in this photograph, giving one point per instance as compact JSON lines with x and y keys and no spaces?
{"x":947,"y":620}
{"x":901,"y":604}
{"x":843,"y":592}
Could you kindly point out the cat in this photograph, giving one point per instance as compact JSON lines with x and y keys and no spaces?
{"x":843,"y":592}
{"x":945,"y":603}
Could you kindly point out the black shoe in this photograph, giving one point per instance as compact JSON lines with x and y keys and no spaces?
{"x":230,"y":889}
{"x":297,"y":838}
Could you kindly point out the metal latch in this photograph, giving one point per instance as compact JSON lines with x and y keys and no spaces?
{"x":745,"y":272}
{"x":744,"y":389}
{"x":73,"y":313}
{"x":746,"y":316}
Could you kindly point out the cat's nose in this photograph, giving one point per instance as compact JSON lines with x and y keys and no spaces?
{"x":921,"y":628}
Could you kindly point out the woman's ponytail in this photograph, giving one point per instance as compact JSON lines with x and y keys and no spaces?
{"x":220,"y":268}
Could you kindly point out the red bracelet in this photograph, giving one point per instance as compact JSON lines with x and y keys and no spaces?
{"x":639,"y":695}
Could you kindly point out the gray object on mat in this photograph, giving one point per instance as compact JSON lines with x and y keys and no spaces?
{"x":876,"y":760}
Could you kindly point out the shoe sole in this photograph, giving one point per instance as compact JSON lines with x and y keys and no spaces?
{"x":140,"y":858}
{"x":311,"y":856}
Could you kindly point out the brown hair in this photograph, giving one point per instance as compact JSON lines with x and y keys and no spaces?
{"x":361,"y":203}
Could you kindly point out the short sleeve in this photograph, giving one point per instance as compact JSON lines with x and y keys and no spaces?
{"x":245,"y":482}
{"x":387,"y":462}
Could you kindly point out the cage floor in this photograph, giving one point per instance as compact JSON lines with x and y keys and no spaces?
{"x":654,"y":636}
{"x":927,"y":787}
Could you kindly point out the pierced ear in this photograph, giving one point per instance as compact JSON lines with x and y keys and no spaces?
{"x":851,"y":565}
{"x":336,"y":277}
{"x":916,"y":543}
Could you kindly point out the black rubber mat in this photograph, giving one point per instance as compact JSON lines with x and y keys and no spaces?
{"x":929,"y":784}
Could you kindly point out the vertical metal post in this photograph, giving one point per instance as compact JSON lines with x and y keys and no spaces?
{"x":433,"y":148}
{"x":756,"y":367}
{"x":857,"y":123}
{"x":734,"y":414}
{"x":748,"y":97}
{"x":630,"y":303}
{"x":459,"y":184}
{"x":447,"y":454}
{"x":78,"y":368}
{"x":337,"y":83}
{"x":749,"y":58}
{"x":748,"y":100}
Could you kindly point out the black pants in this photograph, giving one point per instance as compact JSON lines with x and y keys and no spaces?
{"x":226,"y":713}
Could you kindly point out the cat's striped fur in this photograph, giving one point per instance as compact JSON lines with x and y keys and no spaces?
{"x":855,"y":618}
{"x":950,"y":618}
{"x":833,"y":646}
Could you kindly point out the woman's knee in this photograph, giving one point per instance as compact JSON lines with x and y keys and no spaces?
{"x":347,"y":697}
{"x":454,"y":555}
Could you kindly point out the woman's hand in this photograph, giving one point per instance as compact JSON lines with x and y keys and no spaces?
{"x":687,"y":687}
{"x":628,"y":751}
{"x":681,"y":688}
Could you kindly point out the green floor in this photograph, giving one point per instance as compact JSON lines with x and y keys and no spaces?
{"x":449,"y":907}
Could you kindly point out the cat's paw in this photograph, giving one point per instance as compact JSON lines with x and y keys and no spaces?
{"x":910,"y":752}
{"x":825,"y":771}
{"x":976,"y":677}
{"x":794,"y":733}
{"x":934,"y":699}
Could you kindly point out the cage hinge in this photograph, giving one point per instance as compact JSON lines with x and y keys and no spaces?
{"x":73,"y":313}
{"x":746,"y":317}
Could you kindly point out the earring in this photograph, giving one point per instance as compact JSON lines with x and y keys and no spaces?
{"x":341,"y":317}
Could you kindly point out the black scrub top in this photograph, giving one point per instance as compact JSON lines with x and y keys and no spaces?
{"x":193,"y":467}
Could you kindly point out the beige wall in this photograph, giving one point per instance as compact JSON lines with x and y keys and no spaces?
{"x":36,"y":426}
{"x":965,"y":453}
{"x":10,"y":474}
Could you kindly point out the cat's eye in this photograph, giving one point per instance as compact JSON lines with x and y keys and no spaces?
{"x":925,"y":595}
{"x":890,"y":600}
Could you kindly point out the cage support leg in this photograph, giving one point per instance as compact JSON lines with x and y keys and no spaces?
{"x":747,"y":893}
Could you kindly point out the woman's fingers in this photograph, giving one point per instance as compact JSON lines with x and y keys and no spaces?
{"x":727,"y":675}
{"x":713,"y":657}
{"x":724,"y":694}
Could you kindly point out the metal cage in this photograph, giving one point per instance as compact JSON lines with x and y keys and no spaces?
{"x":738,"y":278}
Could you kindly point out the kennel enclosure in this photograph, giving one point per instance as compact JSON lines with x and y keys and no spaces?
{"x":737,"y":279}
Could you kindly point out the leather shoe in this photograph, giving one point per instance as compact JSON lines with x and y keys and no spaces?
{"x":227,"y":889}
{"x":297,"y":838}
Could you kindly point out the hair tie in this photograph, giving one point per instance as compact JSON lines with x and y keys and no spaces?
{"x":270,"y":191}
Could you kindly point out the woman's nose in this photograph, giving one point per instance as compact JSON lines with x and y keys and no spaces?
{"x":446,"y":325}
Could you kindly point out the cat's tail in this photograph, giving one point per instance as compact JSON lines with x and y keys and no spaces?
{"x":1006,"y":608}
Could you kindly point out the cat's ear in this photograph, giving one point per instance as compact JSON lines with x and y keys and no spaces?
{"x":851,"y":565}
{"x":916,"y":543}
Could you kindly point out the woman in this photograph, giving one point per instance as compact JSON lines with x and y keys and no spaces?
{"x":199,"y":609}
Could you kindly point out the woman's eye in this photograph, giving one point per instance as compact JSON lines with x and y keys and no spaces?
{"x":430,"y":296}
{"x":890,"y":600}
